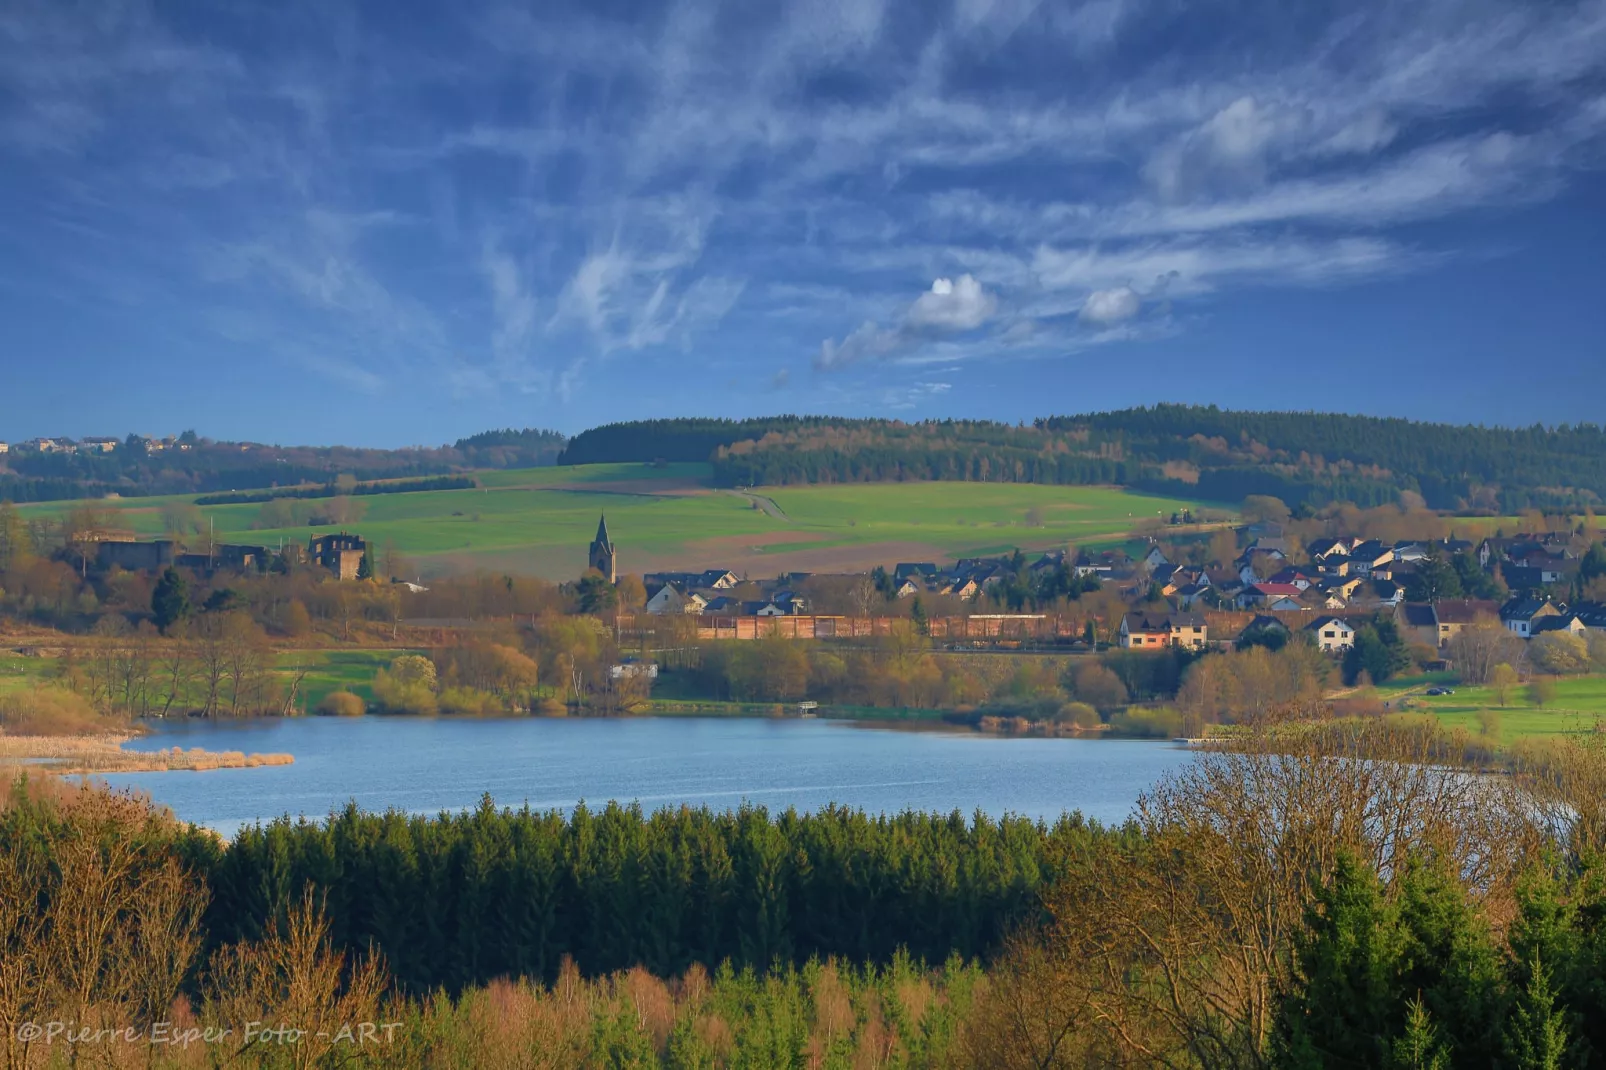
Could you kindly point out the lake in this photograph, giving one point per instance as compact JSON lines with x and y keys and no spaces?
{"x":426,"y":765}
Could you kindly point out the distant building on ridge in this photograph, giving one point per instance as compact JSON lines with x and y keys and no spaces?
{"x":341,"y":554}
{"x":603,"y":557}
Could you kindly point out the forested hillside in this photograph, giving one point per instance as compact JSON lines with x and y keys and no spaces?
{"x":195,"y":465}
{"x":1176,"y":450}
{"x":1201,"y":452}
{"x":689,"y":439}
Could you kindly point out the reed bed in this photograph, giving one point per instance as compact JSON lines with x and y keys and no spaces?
{"x":78,"y":755}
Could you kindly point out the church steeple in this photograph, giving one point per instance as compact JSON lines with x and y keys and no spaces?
{"x":602,"y":556}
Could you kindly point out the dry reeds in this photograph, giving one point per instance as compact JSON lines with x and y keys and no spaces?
{"x":83,"y":755}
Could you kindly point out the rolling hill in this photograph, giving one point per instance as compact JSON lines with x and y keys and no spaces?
{"x":538,"y":521}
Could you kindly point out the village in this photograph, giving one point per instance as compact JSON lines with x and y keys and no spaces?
{"x":1145,"y":599}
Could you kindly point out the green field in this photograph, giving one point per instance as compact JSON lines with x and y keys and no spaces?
{"x":539,"y":521}
{"x":1579,"y":703}
{"x":16,"y":670}
{"x":327,"y":670}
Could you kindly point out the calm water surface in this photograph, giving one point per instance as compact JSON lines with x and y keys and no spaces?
{"x":424,"y":766}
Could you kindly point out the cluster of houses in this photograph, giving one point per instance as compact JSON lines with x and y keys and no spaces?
{"x":710,"y":592}
{"x":92,"y":444}
{"x":1339,"y":581}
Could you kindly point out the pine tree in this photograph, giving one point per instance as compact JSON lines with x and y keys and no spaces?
{"x":1536,"y":1034}
{"x":170,"y":601}
{"x":365,"y":567}
{"x":1344,"y":1005}
{"x":1418,"y":1049}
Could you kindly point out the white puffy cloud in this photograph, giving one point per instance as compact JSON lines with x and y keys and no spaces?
{"x":952,"y":305}
{"x":1104,"y":307}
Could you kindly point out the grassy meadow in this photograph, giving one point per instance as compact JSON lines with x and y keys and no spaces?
{"x":539,"y":521}
{"x":326,"y":670}
{"x":1578,"y":704}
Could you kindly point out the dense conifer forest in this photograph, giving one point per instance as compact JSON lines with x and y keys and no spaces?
{"x":461,"y":899}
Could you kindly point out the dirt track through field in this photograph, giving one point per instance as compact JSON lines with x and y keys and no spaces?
{"x":766,"y":504}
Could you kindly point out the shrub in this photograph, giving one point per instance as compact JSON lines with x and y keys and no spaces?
{"x":51,"y":711}
{"x":342,"y":704}
{"x":1078,"y":713}
{"x":469,"y":701}
{"x":1044,"y":708}
{"x":1096,"y":685}
{"x":1489,"y":723}
{"x":399,"y":696}
{"x":408,"y":686}
{"x":1161,"y":722}
{"x":1559,"y":653}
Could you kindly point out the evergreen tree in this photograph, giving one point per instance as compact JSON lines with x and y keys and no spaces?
{"x":170,"y":601}
{"x":1449,"y":959}
{"x":1475,"y":582}
{"x":1418,"y":1048}
{"x":1343,"y":1008}
{"x":917,"y":614}
{"x":1379,"y":652}
{"x":596,"y":594}
{"x":365,"y":567}
{"x":1536,"y":1034}
{"x":1434,"y":578}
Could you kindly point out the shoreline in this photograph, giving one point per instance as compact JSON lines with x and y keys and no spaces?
{"x":92,"y":755}
{"x":890,"y":719}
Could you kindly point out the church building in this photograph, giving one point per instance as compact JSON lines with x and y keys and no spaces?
{"x":603,"y":558}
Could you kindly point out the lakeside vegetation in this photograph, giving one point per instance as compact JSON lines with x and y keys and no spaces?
{"x":1317,"y":893}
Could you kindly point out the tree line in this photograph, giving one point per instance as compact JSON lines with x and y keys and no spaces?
{"x":1197,"y":451}
{"x":459,"y":899}
{"x":336,"y":488}
{"x":206,"y":466}
{"x":103,"y":916}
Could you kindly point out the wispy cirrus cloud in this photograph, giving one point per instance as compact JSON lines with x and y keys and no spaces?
{"x":509,"y":195}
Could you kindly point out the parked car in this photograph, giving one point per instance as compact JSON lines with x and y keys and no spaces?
{"x":1439,"y":691}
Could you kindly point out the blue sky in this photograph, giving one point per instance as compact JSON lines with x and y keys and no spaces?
{"x":402,"y":222}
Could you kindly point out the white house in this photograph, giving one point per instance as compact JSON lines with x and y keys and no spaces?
{"x":1521,"y":614}
{"x":669,"y":599}
{"x":1332,"y":634}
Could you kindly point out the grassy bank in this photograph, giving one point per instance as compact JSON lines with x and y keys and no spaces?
{"x":1577,"y":706}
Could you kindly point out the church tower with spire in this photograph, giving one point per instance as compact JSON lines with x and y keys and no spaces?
{"x":603,"y":557}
